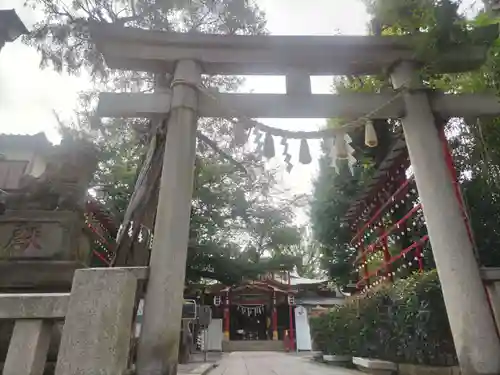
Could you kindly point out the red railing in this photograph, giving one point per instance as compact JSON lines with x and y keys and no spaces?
{"x":394,"y":258}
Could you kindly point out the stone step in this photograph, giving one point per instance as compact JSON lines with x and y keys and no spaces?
{"x":253,"y":346}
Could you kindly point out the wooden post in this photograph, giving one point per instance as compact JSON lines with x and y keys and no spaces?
{"x":471,"y":321}
{"x":159,"y":341}
{"x":227,"y":317}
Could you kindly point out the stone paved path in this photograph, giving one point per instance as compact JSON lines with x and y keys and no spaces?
{"x":272,"y":363}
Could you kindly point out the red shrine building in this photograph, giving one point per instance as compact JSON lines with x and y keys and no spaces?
{"x":274,"y":308}
{"x":388,"y":228}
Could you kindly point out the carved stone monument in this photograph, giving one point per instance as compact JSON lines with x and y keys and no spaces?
{"x":44,"y":236}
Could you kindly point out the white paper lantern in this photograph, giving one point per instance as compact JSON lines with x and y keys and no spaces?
{"x":217,"y":301}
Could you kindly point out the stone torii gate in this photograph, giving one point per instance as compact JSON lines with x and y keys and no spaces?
{"x":187,"y":56}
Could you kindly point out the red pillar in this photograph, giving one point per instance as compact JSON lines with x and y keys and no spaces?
{"x":387,"y":257}
{"x":226,"y":317}
{"x":365,"y":265}
{"x":453,"y":172}
{"x":274,"y":318}
{"x":418,"y":254}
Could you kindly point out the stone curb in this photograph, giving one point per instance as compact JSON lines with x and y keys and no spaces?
{"x":201,"y":370}
{"x":351,"y":370}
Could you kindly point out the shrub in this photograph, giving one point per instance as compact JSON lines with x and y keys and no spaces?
{"x":320,"y":332}
{"x":404,"y":322}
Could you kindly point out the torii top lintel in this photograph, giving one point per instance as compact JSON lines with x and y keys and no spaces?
{"x":157,"y":51}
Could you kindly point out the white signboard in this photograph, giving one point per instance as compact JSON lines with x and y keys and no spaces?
{"x":302,"y":330}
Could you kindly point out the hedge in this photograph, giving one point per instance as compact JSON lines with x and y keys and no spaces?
{"x":405,"y":322}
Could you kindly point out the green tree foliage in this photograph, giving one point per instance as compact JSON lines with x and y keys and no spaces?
{"x":474,"y":143}
{"x":335,"y":191}
{"x":436,"y":26}
{"x":238,"y":227}
{"x":63,"y":40}
{"x":332,"y":194}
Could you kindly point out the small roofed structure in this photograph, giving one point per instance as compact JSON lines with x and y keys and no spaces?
{"x":264,"y":308}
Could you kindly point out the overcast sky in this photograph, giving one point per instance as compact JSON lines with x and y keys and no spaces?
{"x":28,"y":95}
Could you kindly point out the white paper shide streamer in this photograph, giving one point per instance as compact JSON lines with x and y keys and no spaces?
{"x":340,"y":149}
{"x":339,"y":144}
{"x":252,"y":310}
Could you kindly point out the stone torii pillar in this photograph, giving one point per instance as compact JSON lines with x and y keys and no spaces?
{"x":472,"y":324}
{"x":159,"y":340}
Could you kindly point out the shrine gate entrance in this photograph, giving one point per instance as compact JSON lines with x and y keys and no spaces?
{"x":179,"y":60}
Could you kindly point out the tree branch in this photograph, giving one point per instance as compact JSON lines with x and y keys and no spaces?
{"x":137,"y":16}
{"x":216,"y":148}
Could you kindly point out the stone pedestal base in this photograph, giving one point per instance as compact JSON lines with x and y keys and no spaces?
{"x":375,"y":366}
{"x":37,"y":276}
{"x":98,"y":324}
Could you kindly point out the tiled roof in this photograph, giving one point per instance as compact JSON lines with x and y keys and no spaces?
{"x":397,"y":152}
{"x":319,"y":301}
{"x":10,"y":20}
{"x":38,"y":141}
{"x":297,"y":280}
